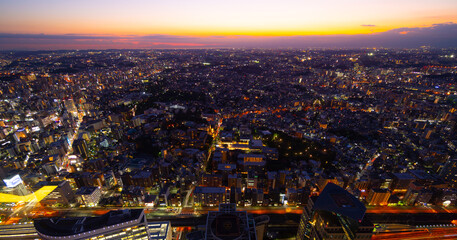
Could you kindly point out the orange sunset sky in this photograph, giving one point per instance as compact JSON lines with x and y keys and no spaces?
{"x":205,"y":22}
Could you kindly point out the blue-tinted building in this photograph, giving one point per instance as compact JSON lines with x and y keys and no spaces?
{"x":335,"y":214}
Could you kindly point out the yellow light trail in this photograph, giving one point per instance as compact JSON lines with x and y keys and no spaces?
{"x":33,"y":197}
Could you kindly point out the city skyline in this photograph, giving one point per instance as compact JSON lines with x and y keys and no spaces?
{"x":49,"y":25}
{"x":92,"y":135}
{"x":206,"y":120}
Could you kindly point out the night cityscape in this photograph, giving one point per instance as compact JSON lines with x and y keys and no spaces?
{"x":245,"y":132}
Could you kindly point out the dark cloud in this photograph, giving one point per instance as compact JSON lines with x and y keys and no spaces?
{"x":62,"y":36}
{"x":173,"y":38}
{"x":442,"y":35}
{"x":439,"y":35}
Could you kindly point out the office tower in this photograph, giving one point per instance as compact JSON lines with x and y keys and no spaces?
{"x":80,"y":147}
{"x":62,"y":194}
{"x":210,"y":196}
{"x":88,"y":196}
{"x":160,"y":230}
{"x":15,"y":185}
{"x":378,"y":196}
{"x":449,"y":172}
{"x":71,"y":107}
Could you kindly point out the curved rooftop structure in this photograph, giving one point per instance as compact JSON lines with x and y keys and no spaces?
{"x":87,"y":227}
{"x":229,"y":224}
{"x":337,"y":200}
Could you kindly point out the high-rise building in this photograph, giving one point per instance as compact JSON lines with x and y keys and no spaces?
{"x":449,"y":172}
{"x":15,"y":185}
{"x":120,"y":224}
{"x":401,"y":182}
{"x":211,"y":180}
{"x":80,"y":147}
{"x":209,"y":196}
{"x":71,"y":107}
{"x":62,"y":194}
{"x":160,"y":230}
{"x":335,"y":214}
{"x":378,"y":196}
{"x":88,"y":196}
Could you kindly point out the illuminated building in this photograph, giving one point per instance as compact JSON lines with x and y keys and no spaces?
{"x":324,"y":180}
{"x":226,"y":169}
{"x":235,"y":195}
{"x":234,"y":180}
{"x":401,"y":182}
{"x":20,"y":133}
{"x":96,"y":124}
{"x":71,"y":107}
{"x":211,"y":180}
{"x":61,"y":194}
{"x":14,"y":185}
{"x":449,"y":172}
{"x":160,"y":230}
{"x":209,"y":196}
{"x":25,"y":146}
{"x":80,"y":147}
{"x":335,"y":214}
{"x":378,"y":196}
{"x":18,"y":231}
{"x":415,"y":192}
{"x":221,"y":155}
{"x":2,"y":133}
{"x":251,"y":161}
{"x":37,"y":196}
{"x":120,"y":224}
{"x":251,"y":181}
{"x":133,"y":195}
{"x":255,"y":144}
{"x":362,"y":184}
{"x":89,"y":196}
{"x":250,"y":157}
{"x":90,"y":179}
{"x":386,"y":180}
{"x":270,"y":153}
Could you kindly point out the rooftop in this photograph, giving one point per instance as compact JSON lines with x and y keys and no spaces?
{"x":335,"y":199}
{"x":77,"y":225}
{"x":86,"y":190}
{"x":209,"y":190}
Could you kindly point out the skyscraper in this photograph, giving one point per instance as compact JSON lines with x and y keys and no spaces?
{"x":71,"y":107}
{"x":449,"y":172}
{"x":80,"y":147}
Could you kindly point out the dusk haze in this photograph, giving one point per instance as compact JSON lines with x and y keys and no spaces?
{"x":106,"y":24}
{"x":228,"y":120}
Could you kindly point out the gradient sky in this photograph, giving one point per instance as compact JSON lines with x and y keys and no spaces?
{"x":209,"y":23}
